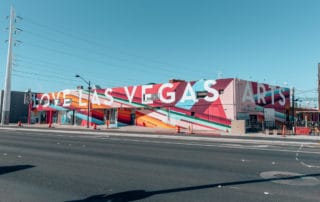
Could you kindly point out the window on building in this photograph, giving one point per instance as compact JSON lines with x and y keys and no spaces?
{"x":153,"y":97}
{"x":201,"y":94}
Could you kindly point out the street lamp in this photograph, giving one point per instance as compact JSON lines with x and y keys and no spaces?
{"x":89,"y":89}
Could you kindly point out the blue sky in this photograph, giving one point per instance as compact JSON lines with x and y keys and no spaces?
{"x":119,"y":43}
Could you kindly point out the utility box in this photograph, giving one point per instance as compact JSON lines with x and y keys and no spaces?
{"x":238,"y":126}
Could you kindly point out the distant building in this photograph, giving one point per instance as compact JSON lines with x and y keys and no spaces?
{"x":18,"y":110}
{"x":223,"y":105}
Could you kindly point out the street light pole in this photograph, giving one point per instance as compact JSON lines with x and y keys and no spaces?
{"x":292,"y":108}
{"x":89,"y":89}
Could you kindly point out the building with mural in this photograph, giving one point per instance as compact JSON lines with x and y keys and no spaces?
{"x":200,"y":105}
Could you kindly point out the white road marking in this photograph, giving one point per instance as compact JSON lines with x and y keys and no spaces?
{"x":234,"y":145}
{"x":284,"y":177}
{"x":261,"y":146}
{"x":301,"y":161}
{"x":215,"y":142}
{"x":211,"y":145}
{"x":171,"y":137}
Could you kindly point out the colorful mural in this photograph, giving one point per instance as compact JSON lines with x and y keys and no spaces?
{"x":202,"y":105}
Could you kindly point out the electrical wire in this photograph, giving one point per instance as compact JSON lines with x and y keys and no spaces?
{"x":99,"y":45}
{"x":42,"y":66}
{"x":99,"y":53}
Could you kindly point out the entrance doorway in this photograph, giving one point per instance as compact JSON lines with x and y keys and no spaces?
{"x":110,"y":117}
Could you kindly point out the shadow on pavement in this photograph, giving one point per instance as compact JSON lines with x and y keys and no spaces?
{"x":141,"y":194}
{"x":9,"y":169}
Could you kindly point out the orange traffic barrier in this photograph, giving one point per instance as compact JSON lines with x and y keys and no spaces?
{"x":283,"y":131}
{"x":190,"y":129}
{"x":178,"y":129}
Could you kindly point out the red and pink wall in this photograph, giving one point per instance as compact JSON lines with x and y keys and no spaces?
{"x":203,"y":104}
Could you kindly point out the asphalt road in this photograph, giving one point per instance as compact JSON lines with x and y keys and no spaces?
{"x":38,"y":166}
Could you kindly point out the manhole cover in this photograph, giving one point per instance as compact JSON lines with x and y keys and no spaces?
{"x":290,"y":178}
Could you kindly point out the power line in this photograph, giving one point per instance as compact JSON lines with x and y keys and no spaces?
{"x":99,"y":45}
{"x":84,"y":58}
{"x":44,"y":75}
{"x":42,"y":67}
{"x":35,"y":67}
{"x":100,"y":60}
{"x":98,"y":53}
{"x":37,"y":78}
{"x":307,"y":91}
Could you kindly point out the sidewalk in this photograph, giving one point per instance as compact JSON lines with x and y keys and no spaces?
{"x":164,"y":131}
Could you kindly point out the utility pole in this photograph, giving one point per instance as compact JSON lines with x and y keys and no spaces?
{"x":7,"y":83}
{"x":318,"y":86}
{"x":292,"y":108}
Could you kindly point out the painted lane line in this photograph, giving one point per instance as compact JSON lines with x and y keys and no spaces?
{"x":261,"y":146}
{"x":307,"y":165}
{"x":301,"y":161}
{"x":172,"y":137}
{"x":210,"y":145}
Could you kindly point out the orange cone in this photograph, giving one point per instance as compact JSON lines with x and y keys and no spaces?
{"x":283,"y":131}
{"x":178,"y":129}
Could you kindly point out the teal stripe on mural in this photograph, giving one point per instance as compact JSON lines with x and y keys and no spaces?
{"x":269,"y":93}
{"x":277,"y":114}
{"x":93,"y":120}
{"x":59,"y":108}
{"x":216,"y":125}
{"x":188,"y":104}
{"x":180,"y":116}
{"x":177,"y":115}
